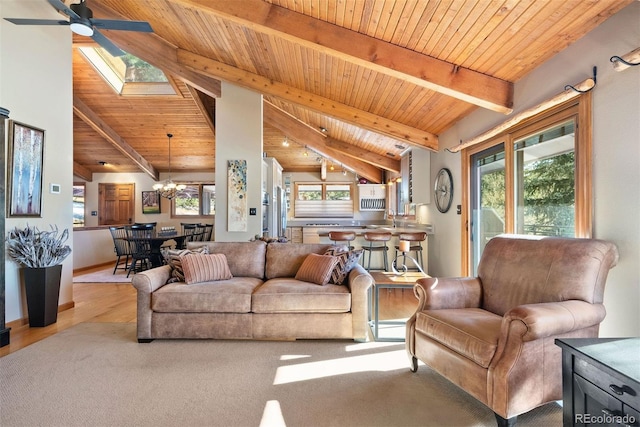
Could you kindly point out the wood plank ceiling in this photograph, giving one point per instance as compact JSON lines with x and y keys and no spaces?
{"x":379,"y":75}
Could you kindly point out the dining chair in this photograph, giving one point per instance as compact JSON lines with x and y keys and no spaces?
{"x":121,"y":247}
{"x":208,"y":231}
{"x":192,"y":233}
{"x":139,"y":237}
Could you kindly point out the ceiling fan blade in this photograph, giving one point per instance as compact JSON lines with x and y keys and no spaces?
{"x":105,"y":43}
{"x":60,"y":6}
{"x":113,"y":24}
{"x":19,"y":21}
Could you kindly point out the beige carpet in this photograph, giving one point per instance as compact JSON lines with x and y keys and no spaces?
{"x":96,"y":374}
{"x":104,"y":276}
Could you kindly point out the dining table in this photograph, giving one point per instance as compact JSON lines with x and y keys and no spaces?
{"x":156,"y":241}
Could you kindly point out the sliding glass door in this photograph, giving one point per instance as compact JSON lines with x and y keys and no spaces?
{"x":487,"y":199}
{"x":532,"y":179}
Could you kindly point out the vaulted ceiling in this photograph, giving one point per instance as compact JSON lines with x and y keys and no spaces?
{"x":354,"y":81}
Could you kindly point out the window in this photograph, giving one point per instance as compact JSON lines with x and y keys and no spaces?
{"x":128,"y":74}
{"x":534,"y":178}
{"x":544,"y":182}
{"x":78,"y":205}
{"x":323,"y":200}
{"x":195,"y":200}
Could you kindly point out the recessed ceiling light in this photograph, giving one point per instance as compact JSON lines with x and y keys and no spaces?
{"x":323,"y":129}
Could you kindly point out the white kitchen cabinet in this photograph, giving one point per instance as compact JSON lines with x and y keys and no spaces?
{"x":372,"y":197}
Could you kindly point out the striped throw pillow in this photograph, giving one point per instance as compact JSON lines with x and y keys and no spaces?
{"x":316,"y":269}
{"x":172,"y":258}
{"x":200,"y":268}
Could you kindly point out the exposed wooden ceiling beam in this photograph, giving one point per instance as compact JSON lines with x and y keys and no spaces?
{"x":346,"y":113}
{"x":377,"y":55}
{"x":350,"y":150}
{"x":82,"y":172}
{"x":154,"y":50}
{"x":89,"y":116}
{"x":291,"y":126}
{"x":207,"y":115}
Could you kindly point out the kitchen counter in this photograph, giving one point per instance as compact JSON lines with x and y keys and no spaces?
{"x":395,"y":231}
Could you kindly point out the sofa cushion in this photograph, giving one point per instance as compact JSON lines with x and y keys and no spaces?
{"x":346,"y":261}
{"x":471,"y":332}
{"x":285,"y":259}
{"x":288,"y":295}
{"x":223,"y":296}
{"x":204,"y":268}
{"x":317,"y":269}
{"x":173,"y":258}
{"x":245,"y":259}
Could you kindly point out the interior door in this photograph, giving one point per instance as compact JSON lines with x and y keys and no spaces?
{"x":115,"y":204}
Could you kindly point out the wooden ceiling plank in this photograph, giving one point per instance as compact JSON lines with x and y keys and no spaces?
{"x":82,"y":172}
{"x":404,"y":64}
{"x":92,"y":119}
{"x":289,"y":125}
{"x":372,"y":122}
{"x":207,"y":115}
{"x":352,"y":151}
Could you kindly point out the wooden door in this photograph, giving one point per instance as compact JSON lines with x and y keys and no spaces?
{"x":115,"y":204}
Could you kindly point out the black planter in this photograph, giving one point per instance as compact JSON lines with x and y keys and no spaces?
{"x":42,"y":286}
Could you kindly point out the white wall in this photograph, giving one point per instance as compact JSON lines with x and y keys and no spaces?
{"x":616,"y":159}
{"x":36,"y":86}
{"x":239,"y":137}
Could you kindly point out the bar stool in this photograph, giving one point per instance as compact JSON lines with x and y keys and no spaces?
{"x":376,"y":237}
{"x":342,"y":236}
{"x":415,"y":240}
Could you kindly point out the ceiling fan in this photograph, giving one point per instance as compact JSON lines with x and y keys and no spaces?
{"x":81,"y":22}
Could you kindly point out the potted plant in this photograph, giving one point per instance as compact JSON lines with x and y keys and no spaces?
{"x":41,"y":254}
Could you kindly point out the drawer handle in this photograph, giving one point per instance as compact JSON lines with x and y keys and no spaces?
{"x":621,"y":390}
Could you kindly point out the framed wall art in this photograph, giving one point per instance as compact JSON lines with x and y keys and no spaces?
{"x":150,"y":202}
{"x":237,"y":195}
{"x":26,"y":156}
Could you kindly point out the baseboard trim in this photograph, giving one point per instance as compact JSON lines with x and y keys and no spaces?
{"x":83,"y":269}
{"x":25,"y":320}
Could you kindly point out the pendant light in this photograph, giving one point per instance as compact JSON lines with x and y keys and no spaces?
{"x":169,"y":189}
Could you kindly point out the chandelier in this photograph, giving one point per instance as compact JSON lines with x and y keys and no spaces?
{"x":169,"y":189}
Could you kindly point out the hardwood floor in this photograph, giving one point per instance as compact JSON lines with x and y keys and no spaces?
{"x":116,"y":302}
{"x":94,"y":302}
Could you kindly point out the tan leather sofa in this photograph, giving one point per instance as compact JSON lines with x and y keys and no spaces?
{"x":263,"y":300}
{"x":493,"y":335}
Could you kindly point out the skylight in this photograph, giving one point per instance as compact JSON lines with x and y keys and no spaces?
{"x":128,"y":74}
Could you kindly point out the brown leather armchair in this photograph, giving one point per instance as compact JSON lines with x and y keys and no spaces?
{"x":493,"y":335}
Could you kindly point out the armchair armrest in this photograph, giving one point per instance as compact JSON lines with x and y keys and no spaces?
{"x":359,"y":282}
{"x":435,"y":293}
{"x":552,"y":318}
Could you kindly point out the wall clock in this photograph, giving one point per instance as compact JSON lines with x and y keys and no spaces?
{"x":443,"y":190}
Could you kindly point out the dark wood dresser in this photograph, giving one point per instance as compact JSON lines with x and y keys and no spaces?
{"x":600,"y":381}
